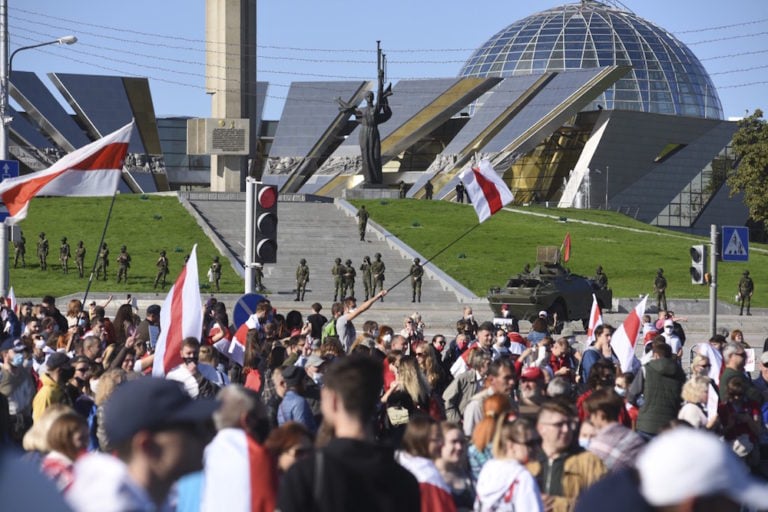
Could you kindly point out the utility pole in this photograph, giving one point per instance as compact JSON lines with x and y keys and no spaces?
{"x":714,"y":252}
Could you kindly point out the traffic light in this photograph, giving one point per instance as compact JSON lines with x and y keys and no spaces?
{"x":265,"y":224}
{"x":698,"y":264}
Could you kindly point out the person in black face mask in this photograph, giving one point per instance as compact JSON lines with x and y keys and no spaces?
{"x":198,"y":378}
{"x":77,"y":386}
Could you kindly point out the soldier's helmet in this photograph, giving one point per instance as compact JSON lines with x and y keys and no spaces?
{"x":377,"y":255}
{"x":660,"y":271}
{"x":42,"y":235}
{"x":123,"y":248}
{"x":337,"y":260}
{"x":599,"y":269}
{"x":416,"y":260}
{"x":746,"y":272}
{"x":162,"y":253}
{"x":104,"y":245}
{"x":215,"y":258}
{"x":64,"y":239}
{"x":303,"y":261}
{"x":348,"y":262}
{"x":367,"y":258}
{"x":80,"y":243}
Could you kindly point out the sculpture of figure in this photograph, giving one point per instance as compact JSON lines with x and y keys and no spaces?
{"x":370,"y":117}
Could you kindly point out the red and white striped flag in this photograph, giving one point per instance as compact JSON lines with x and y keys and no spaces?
{"x":10,"y":301}
{"x":623,"y":340}
{"x":180,"y":317}
{"x":93,"y":170}
{"x":486,"y":189}
{"x":595,"y":319}
{"x":435,"y":493}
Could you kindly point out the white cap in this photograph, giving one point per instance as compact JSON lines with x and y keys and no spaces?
{"x":685,"y":462}
{"x":668,"y":322}
{"x":543,"y":314}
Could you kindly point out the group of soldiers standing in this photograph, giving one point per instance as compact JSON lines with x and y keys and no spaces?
{"x":344,"y":277}
{"x":65,"y":253}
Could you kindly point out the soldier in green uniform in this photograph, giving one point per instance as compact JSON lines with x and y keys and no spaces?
{"x":365,"y":270}
{"x":600,"y":279}
{"x":746,"y":289}
{"x":362,"y":222}
{"x":377,"y":271}
{"x":215,"y":272}
{"x":258,"y":276}
{"x":123,"y":264}
{"x":162,"y":270}
{"x":64,"y":254}
{"x":103,"y":261}
{"x":660,"y":287}
{"x":42,"y":251}
{"x":348,"y":279}
{"x":80,"y":258}
{"x":417,"y":272}
{"x":19,"y":250}
{"x":302,"y":278}
{"x":337,"y":271}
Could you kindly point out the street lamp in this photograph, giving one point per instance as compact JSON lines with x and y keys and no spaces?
{"x":607,"y":170}
{"x":5,"y":76}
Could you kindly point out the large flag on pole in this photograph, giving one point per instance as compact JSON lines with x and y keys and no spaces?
{"x":486,"y":189}
{"x":180,"y":317}
{"x":623,"y":340}
{"x":93,"y":170}
{"x":595,"y":319}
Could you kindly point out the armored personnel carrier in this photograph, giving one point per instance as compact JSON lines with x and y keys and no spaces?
{"x":549,"y":287}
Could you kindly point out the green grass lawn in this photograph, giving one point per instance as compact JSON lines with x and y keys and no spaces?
{"x":145,"y":224}
{"x":502,"y":245}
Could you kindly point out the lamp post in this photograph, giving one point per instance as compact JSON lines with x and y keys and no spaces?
{"x":5,"y":119}
{"x":607,"y":170}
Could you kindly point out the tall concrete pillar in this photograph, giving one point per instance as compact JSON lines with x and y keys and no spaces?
{"x":230,"y":31}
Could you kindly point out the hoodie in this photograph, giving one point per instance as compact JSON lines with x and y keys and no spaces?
{"x":508,"y":486}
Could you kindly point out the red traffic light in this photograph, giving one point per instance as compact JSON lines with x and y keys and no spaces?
{"x":267,"y":197}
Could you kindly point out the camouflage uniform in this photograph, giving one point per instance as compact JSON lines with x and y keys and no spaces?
{"x":64,"y":254}
{"x":660,"y":286}
{"x":258,"y":276}
{"x":746,"y":289}
{"x":302,"y":278}
{"x":600,"y":279}
{"x":417,"y":272}
{"x":80,"y":258}
{"x":337,"y":271}
{"x":103,"y":261}
{"x":42,"y":251}
{"x":215,"y":271}
{"x":123,"y":264}
{"x":348,"y":279}
{"x":377,"y":274}
{"x":162,"y":270}
{"x":362,"y":222}
{"x":19,"y":250}
{"x":365,"y":270}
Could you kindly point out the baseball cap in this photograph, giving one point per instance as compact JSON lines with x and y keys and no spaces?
{"x":293,"y":375}
{"x":58,"y":360}
{"x":669,"y":323}
{"x":667,"y":476}
{"x":150,"y":403}
{"x":314,"y":360}
{"x":543,"y":314}
{"x":532,"y":373}
{"x":764,"y":358}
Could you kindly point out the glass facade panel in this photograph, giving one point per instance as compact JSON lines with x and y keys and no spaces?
{"x":668,"y":77}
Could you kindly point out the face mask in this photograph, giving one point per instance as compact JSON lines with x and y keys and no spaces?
{"x":318,"y":379}
{"x":500,"y":339}
{"x":18,"y":360}
{"x":352,"y":310}
{"x":505,"y":313}
{"x":387,"y":338}
{"x":94,"y":385}
{"x":188,"y":360}
{"x":584,"y":443}
{"x":81,"y":322}
{"x":376,"y":333}
{"x":469,"y":316}
{"x":620,"y":391}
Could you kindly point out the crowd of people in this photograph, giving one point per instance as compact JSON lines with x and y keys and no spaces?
{"x":318,"y":415}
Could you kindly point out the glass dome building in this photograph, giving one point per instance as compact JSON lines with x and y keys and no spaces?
{"x":666,"y":77}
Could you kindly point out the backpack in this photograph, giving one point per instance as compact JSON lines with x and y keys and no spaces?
{"x":329,"y":329}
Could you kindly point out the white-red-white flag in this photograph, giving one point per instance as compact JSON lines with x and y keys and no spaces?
{"x":10,"y":300}
{"x":92,"y":170}
{"x":715,"y":365}
{"x":595,"y":319}
{"x":623,"y":340}
{"x":180,"y":317}
{"x":486,"y":189}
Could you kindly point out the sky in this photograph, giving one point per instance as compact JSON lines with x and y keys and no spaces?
{"x":310,"y":40}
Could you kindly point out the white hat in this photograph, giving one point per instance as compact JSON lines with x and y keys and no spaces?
{"x":685,"y":463}
{"x":764,"y":358}
{"x":668,"y":322}
{"x":543,"y":314}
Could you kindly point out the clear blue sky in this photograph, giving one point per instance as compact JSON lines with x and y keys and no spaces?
{"x":164,"y":41}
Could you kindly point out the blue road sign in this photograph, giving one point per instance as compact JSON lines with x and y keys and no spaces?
{"x":245,"y":307}
{"x":9,"y":169}
{"x":735,"y":241}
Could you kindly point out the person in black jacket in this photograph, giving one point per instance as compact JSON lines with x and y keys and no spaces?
{"x":351,"y":472}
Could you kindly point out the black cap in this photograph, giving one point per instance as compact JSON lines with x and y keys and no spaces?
{"x":149,"y":403}
{"x":293,"y":375}
{"x":154,"y":309}
{"x":58,"y":360}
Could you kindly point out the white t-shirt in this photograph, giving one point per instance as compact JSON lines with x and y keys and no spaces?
{"x":346,"y":331}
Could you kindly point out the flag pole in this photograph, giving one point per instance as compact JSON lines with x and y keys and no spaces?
{"x":98,"y":248}
{"x":438,"y":253}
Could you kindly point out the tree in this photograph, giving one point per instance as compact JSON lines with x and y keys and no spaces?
{"x":750,"y":143}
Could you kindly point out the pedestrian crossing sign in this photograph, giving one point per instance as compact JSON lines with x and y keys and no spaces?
{"x":735,"y":243}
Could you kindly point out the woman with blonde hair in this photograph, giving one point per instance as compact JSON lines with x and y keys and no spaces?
{"x":504,"y":484}
{"x":700,"y":366}
{"x":426,"y":356}
{"x":411,"y":379}
{"x":108,"y":382}
{"x":36,"y":439}
{"x":480,"y":448}
{"x":695,"y":394}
